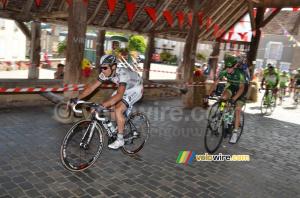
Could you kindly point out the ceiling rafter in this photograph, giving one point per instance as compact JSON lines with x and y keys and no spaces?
{"x":95,"y":13}
{"x":27,"y":7}
{"x":128,"y":24}
{"x":49,"y":6}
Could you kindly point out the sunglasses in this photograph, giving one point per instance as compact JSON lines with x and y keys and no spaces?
{"x":228,"y":67}
{"x":104,"y":68}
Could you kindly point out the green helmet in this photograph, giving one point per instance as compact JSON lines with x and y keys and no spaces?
{"x":230,"y":61}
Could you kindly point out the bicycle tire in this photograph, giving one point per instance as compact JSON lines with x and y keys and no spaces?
{"x":136,"y":133}
{"x":210,"y":133}
{"x":264,"y":105}
{"x":241,"y":125}
{"x":273,"y":104}
{"x":75,"y":158}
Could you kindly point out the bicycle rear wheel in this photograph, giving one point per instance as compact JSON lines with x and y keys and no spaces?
{"x":76,"y":157}
{"x":273,"y":104}
{"x":264,"y":105}
{"x":214,"y":130}
{"x":136,"y":133}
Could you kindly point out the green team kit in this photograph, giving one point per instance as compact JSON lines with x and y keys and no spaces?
{"x":271,"y":78}
{"x":297,"y":76}
{"x":284,"y":80}
{"x":233,"y":82}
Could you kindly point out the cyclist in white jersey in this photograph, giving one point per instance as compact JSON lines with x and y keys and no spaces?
{"x":130,"y":90}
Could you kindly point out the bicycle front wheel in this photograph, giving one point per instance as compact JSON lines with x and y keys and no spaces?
{"x":136,"y":133}
{"x":265,"y":105}
{"x":214,"y":130}
{"x":241,"y":125}
{"x":81,"y":146}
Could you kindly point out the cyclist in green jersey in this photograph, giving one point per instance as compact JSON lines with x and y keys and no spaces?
{"x":234,"y":90}
{"x":284,"y":79}
{"x":271,"y":77}
{"x":296,"y":81}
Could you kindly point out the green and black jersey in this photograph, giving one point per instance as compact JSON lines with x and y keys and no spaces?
{"x":297,"y":76}
{"x":234,"y":79}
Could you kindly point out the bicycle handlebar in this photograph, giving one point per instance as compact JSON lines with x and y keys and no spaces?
{"x":92,"y":105}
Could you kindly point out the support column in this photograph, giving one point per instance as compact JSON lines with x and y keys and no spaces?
{"x":215,"y":57}
{"x":255,"y":40}
{"x":77,"y":24}
{"x":148,"y":56}
{"x":189,"y":58}
{"x":100,"y":47}
{"x":35,"y":49}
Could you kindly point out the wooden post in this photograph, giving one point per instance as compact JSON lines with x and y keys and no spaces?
{"x":35,"y":49}
{"x":100,"y":47}
{"x":255,"y":40}
{"x":215,"y":56}
{"x":77,"y":24}
{"x":189,"y":57}
{"x":148,"y":56}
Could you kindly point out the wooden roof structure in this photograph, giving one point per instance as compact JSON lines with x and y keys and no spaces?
{"x":225,"y":13}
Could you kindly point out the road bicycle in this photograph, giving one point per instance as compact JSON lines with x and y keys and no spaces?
{"x":281,"y":95}
{"x":84,"y":142}
{"x":297,"y":96}
{"x":221,"y":123}
{"x":268,"y":103}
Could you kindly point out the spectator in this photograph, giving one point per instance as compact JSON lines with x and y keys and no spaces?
{"x":180,"y":71}
{"x":59,"y":74}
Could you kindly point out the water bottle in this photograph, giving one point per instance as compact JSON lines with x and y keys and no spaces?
{"x":226,"y":116}
{"x":111,"y":126}
{"x":230,"y":115}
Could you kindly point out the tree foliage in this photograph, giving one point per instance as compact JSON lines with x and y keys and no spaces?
{"x":137,"y":43}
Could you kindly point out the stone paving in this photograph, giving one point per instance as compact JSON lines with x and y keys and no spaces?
{"x":30,"y":163}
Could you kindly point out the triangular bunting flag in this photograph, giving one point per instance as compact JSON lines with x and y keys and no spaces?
{"x":291,"y":38}
{"x":4,"y":1}
{"x":180,"y":19}
{"x":216,"y":30}
{"x":151,"y":13}
{"x":190,"y":19}
{"x":168,"y":16}
{"x":38,"y":2}
{"x":221,"y":32}
{"x":294,"y":45}
{"x":111,"y":5}
{"x":242,"y":35}
{"x":208,"y":23}
{"x":200,"y":16}
{"x":130,"y":7}
{"x":85,"y":1}
{"x":69,"y":1}
{"x":295,"y":9}
{"x":284,"y":32}
{"x":229,"y":36}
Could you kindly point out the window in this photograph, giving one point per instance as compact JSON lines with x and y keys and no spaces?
{"x":15,"y":49}
{"x":16,"y":27}
{"x":202,"y":46}
{"x":258,"y":63}
{"x":165,"y":42}
{"x":274,"y":50}
{"x":284,"y":66}
{"x":208,"y":46}
{"x":2,"y":48}
{"x":174,"y":43}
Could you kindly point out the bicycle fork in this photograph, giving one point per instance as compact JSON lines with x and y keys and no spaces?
{"x":86,"y":145}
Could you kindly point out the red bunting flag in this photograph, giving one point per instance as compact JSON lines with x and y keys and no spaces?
{"x":38,"y":2}
{"x":111,"y":4}
{"x":254,"y":12}
{"x":168,"y":16}
{"x":190,"y":19}
{"x":85,"y":1}
{"x":69,"y":1}
{"x":151,"y":13}
{"x":229,"y":36}
{"x":130,"y":7}
{"x":208,"y":23}
{"x":245,"y":38}
{"x":295,"y":9}
{"x":242,"y":35}
{"x":221,"y":32}
{"x":180,"y":18}
{"x":216,"y":30}
{"x":4,"y":1}
{"x":200,"y":16}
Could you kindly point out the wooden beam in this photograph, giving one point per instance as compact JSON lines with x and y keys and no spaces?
{"x":27,"y":7}
{"x":220,"y":19}
{"x":176,"y":20}
{"x":277,"y":4}
{"x":136,"y":15}
{"x":173,"y":12}
{"x":115,"y":23}
{"x":167,"y":30}
{"x":148,"y":56}
{"x":15,"y":16}
{"x":251,"y":14}
{"x":53,"y":15}
{"x":100,"y":47}
{"x":99,"y":6}
{"x":24,"y":29}
{"x":63,"y":6}
{"x":35,"y":46}
{"x":236,"y":42}
{"x":107,"y":15}
{"x":2,"y":6}
{"x":270,"y":17}
{"x":49,"y":6}
{"x":160,"y":14}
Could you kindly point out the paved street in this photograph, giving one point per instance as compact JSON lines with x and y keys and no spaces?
{"x":30,"y":163}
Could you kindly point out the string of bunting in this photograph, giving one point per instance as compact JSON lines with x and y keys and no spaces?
{"x":7,"y":63}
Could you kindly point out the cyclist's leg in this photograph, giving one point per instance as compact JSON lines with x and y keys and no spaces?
{"x":227,"y":93}
{"x":240,"y":102}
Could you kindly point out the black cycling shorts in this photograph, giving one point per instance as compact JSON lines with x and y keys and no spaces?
{"x":234,"y":89}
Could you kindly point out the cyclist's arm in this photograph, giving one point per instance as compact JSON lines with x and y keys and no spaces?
{"x":116,"y":98}
{"x":89,"y":90}
{"x":277,"y":81}
{"x":262,"y":82}
{"x":213,"y":86}
{"x":239,"y":92}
